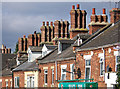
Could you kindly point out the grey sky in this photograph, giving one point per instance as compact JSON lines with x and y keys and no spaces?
{"x":23,"y":18}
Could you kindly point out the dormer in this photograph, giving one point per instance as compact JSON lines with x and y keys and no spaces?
{"x":33,"y":53}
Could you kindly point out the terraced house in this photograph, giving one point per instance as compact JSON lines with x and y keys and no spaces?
{"x":60,"y":53}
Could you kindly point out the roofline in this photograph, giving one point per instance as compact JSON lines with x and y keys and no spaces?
{"x":93,"y":48}
{"x":97,"y":33}
{"x":61,"y":59}
{"x":27,"y":70}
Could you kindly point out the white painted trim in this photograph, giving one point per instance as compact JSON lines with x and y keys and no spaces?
{"x":116,"y":53}
{"x":63,"y":67}
{"x":45,"y":67}
{"x":6,"y":79}
{"x":52,"y":67}
{"x":87,"y":67}
{"x":87,"y":57}
{"x":71,"y":71}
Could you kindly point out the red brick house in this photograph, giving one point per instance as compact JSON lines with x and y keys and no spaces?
{"x":99,"y":56}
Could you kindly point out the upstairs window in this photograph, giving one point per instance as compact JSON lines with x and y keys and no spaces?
{"x":101,"y":66}
{"x":52,"y":76}
{"x":117,"y":62}
{"x":16,"y":82}
{"x":30,"y":81}
{"x":45,"y":76}
{"x":63,"y":72}
{"x":72,"y":71}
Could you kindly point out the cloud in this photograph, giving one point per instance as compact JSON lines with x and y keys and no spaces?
{"x":24,"y":18}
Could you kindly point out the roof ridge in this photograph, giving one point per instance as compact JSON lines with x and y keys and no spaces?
{"x":96,"y":34}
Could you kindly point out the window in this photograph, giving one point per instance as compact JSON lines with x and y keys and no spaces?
{"x":63,"y":73}
{"x":30,"y":81}
{"x":117,"y":61}
{"x":45,"y":76}
{"x":17,"y":82}
{"x":87,"y":69}
{"x":101,"y":67}
{"x":11,"y":84}
{"x":52,"y":76}
{"x":6,"y":84}
{"x":72,"y":71}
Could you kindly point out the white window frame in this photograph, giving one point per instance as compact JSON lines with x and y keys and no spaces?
{"x":63,"y":67}
{"x":72,"y":71}
{"x":32,"y":81}
{"x":86,"y":68}
{"x":6,"y":84}
{"x":45,"y":77}
{"x":11,"y":84}
{"x":101,"y":62}
{"x":16,"y":82}
{"x":116,"y":63}
{"x":53,"y":76}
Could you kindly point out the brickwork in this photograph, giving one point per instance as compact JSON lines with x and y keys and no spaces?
{"x":19,"y":74}
{"x":114,"y":15}
{"x":49,"y":67}
{"x":78,"y":21}
{"x":6,"y":79}
{"x":32,"y":40}
{"x":5,"y":50}
{"x":97,"y":21}
{"x":95,"y":63}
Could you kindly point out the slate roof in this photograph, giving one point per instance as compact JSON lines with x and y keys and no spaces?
{"x":24,"y":57}
{"x":8,"y":60}
{"x":110,"y":34}
{"x":51,"y":47}
{"x":67,"y":41}
{"x":27,"y":66}
{"x":35,"y":48}
{"x":53,"y":56}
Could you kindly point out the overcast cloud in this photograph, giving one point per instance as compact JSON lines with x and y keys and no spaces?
{"x":23,"y":18}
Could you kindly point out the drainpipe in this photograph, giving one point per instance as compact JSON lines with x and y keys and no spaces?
{"x":56,"y":68}
{"x":104,"y":62}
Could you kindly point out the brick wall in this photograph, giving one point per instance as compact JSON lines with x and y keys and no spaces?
{"x":50,"y":66}
{"x":19,"y":74}
{"x":95,"y":64}
{"x":114,"y":15}
{"x":97,"y":21}
{"x":4,"y":79}
{"x":32,"y":40}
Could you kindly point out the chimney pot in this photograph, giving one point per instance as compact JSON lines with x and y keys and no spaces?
{"x":104,"y":11}
{"x":51,"y":23}
{"x":24,"y":36}
{"x":93,"y":11}
{"x":47,"y":23}
{"x":5,"y":47}
{"x":77,"y":6}
{"x":73,"y":6}
{"x":43,"y":23}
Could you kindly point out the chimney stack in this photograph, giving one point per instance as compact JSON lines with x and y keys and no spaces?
{"x":77,"y":6}
{"x":104,"y":12}
{"x":43,"y":23}
{"x":24,"y":36}
{"x":93,"y":11}
{"x":73,"y":7}
{"x":47,"y":23}
{"x":51,"y":23}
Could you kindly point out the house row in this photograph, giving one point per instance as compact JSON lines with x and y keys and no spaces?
{"x":90,"y":55}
